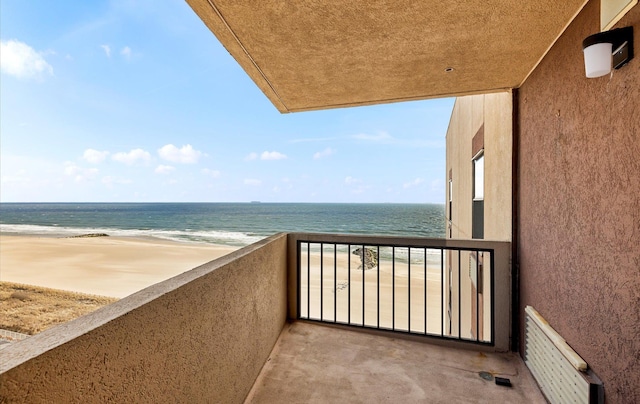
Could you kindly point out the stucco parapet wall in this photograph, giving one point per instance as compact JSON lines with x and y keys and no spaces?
{"x":63,"y":333}
{"x":164,"y":332}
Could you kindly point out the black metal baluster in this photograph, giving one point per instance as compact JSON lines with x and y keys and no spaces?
{"x":393,"y":288}
{"x":477,"y":296}
{"x":308,"y":280}
{"x":425,"y":291}
{"x":442,"y":295}
{"x":299,"y":280}
{"x":335,"y":285}
{"x":492,"y":286}
{"x":409,"y":289}
{"x":459,"y":299}
{"x":364,"y":266}
{"x":378,"y":295}
{"x":349,"y":284}
{"x":321,"y":281}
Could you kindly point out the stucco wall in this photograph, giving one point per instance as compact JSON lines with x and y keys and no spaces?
{"x":466,"y":119}
{"x":498,"y":141}
{"x":202,"y":336}
{"x":579,"y":173}
{"x":494,"y":111}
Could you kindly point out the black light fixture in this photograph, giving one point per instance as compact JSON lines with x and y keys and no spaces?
{"x":608,"y":49}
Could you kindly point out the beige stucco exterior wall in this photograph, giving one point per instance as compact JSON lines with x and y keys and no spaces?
{"x":202,"y":336}
{"x":458,"y":159}
{"x":470,"y":113}
{"x":495,"y":112}
{"x":498,"y":141}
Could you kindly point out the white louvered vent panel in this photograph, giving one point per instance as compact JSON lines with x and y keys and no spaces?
{"x":559,"y":371}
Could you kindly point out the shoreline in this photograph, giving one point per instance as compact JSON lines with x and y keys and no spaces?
{"x":89,"y":233}
{"x":111,"y":266}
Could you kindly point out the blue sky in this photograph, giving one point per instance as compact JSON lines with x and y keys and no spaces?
{"x":137,"y":101}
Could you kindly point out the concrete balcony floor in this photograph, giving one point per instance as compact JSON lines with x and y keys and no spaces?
{"x":313,"y":363}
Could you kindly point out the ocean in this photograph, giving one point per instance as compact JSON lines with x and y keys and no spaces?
{"x":234,"y":224}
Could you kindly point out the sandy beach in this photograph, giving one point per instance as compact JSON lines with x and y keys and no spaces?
{"x":394,"y":296}
{"x":107,"y":266}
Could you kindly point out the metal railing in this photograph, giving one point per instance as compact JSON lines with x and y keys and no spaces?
{"x":432,"y":287}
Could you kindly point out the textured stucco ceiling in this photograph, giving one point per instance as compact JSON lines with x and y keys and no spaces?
{"x":313,"y":54}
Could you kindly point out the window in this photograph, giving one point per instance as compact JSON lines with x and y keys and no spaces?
{"x":450,"y":224}
{"x":477,"y":213}
{"x":450,"y":198}
{"x":478,"y":178}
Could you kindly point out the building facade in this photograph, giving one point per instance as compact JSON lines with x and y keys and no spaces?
{"x":562,"y":183}
{"x":478,"y":203}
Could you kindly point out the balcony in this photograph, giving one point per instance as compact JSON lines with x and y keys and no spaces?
{"x":276,"y":321}
{"x":317,"y":364}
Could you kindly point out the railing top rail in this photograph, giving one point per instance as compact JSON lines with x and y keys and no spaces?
{"x":400,"y":241}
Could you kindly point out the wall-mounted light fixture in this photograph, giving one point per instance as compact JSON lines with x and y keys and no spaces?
{"x":608,"y":49}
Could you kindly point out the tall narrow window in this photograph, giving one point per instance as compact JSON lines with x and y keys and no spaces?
{"x":450,"y":206}
{"x":478,"y":178}
{"x":477,"y":230}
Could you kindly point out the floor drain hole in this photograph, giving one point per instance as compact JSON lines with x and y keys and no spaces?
{"x":486,"y":376}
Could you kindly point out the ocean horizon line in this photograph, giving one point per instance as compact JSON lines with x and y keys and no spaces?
{"x":246,"y":203}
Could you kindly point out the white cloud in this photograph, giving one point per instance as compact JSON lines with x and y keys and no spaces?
{"x":211,"y":173}
{"x":266,"y":155}
{"x":252,"y":182}
{"x":80,"y":174}
{"x":95,"y":156}
{"x":322,"y":154}
{"x":132,"y":157}
{"x":162,"y":169}
{"x":274,"y":155}
{"x":71,"y":169}
{"x":109,"y":181}
{"x":351,"y":181}
{"x":381,"y":137}
{"x":413,"y":183}
{"x":126,"y":52}
{"x":185,"y":155}
{"x":107,"y":50}
{"x":20,"y":60}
